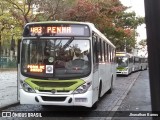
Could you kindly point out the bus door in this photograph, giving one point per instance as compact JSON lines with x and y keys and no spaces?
{"x":95,"y":65}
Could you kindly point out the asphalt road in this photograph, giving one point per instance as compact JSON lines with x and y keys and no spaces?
{"x":108,"y":103}
{"x":138,"y":99}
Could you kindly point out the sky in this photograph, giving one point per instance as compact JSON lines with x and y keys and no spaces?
{"x":138,"y":7}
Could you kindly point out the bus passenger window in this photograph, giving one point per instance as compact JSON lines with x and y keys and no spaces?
{"x":104,"y":49}
{"x":107,"y":58}
{"x":95,"y":50}
{"x":100,"y":53}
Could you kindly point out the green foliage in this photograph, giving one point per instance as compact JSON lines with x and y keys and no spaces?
{"x":109,"y":16}
{"x":143,"y":43}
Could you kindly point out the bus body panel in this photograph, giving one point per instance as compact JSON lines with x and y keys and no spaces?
{"x":136,"y":64}
{"x":128,"y":67}
{"x":144,"y":63}
{"x":103,"y":73}
{"x":77,"y":99}
{"x":106,"y":70}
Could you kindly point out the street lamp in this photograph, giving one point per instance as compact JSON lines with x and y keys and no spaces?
{"x":12,"y":42}
{"x":12,"y":47}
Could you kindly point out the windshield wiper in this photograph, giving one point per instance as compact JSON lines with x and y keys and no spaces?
{"x":68,"y":43}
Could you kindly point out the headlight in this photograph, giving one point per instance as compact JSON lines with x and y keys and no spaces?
{"x":125,"y":68}
{"x":83,"y":88}
{"x":27,"y":88}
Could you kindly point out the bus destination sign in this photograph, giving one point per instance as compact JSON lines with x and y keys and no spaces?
{"x":49,"y":30}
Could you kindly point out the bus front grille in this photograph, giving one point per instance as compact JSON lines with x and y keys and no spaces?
{"x":58,"y":91}
{"x":45,"y":98}
{"x":54,"y":84}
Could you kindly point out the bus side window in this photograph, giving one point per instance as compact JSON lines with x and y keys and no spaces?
{"x":100,"y":52}
{"x":111,"y":54}
{"x":95,"y":49}
{"x":114,"y":55}
{"x":107,"y":54}
{"x":104,"y":49}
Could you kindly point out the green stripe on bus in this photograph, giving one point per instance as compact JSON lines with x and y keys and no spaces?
{"x":64,"y":85}
{"x":120,"y":68}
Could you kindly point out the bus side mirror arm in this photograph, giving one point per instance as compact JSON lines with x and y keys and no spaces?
{"x":18,"y":51}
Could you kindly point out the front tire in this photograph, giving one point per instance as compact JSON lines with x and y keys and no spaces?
{"x":111,"y":88}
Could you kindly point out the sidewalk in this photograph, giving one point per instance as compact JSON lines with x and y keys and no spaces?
{"x":138,"y":98}
{"x":8,"y":88}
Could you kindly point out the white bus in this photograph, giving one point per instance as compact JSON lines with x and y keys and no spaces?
{"x":144,"y":63}
{"x":65,"y":63}
{"x":125,"y":63}
{"x":136,"y":63}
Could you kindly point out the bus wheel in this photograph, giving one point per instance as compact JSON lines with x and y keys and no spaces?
{"x":99,"y":91}
{"x":95,"y":105}
{"x":111,"y":88}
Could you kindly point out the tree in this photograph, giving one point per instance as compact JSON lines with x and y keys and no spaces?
{"x":9,"y":27}
{"x":141,"y":47}
{"x":129,"y":22}
{"x":51,"y":9}
{"x":110,"y":18}
{"x":37,"y":10}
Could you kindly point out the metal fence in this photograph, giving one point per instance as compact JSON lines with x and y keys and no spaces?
{"x":8,"y":61}
{"x":8,"y":54}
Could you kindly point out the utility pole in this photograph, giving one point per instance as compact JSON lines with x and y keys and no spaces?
{"x":152,"y":18}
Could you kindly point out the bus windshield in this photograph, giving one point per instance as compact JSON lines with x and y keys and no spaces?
{"x":56,"y":58}
{"x":122,"y":61}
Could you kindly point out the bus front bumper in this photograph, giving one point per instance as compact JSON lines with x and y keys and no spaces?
{"x":122,"y":72}
{"x":84,"y":99}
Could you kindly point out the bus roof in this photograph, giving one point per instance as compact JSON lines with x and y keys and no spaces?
{"x":91,"y":25}
{"x":65,"y":22}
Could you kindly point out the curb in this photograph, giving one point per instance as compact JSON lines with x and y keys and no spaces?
{"x":115,"y":108}
{"x":9,"y":105}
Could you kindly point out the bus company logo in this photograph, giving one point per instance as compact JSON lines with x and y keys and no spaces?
{"x":6,"y":114}
{"x":53,"y":91}
{"x":49,"y":68}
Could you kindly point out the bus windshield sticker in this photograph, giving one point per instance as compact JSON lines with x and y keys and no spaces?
{"x":56,"y":30}
{"x":49,"y":68}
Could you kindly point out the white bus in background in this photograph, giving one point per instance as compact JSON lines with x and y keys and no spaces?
{"x":65,"y":63}
{"x":136,"y":63}
{"x":125,"y":63}
{"x":143,"y":63}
